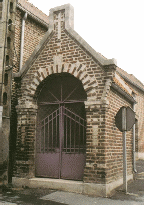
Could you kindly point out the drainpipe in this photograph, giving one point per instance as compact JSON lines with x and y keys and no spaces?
{"x":22,"y":39}
{"x":134,"y":161}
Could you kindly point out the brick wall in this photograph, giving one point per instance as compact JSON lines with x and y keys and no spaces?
{"x":73,"y":58}
{"x":33,"y":34}
{"x":17,"y":41}
{"x":25,"y":145}
{"x":95,"y":158}
{"x":139,"y":110}
{"x":114,"y":141}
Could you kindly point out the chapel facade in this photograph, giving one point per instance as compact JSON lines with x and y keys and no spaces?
{"x":59,"y":101}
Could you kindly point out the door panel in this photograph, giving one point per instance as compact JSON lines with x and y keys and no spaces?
{"x":73,"y":151}
{"x":47,"y":164}
{"x":48,"y":151}
{"x":73,"y":166}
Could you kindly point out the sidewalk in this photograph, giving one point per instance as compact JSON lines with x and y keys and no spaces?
{"x":27,"y":196}
{"x":135,"y":190}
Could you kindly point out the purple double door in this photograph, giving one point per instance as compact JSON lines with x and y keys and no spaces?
{"x":61,"y":131}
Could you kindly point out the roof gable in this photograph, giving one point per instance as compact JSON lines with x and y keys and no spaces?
{"x":69,"y":22}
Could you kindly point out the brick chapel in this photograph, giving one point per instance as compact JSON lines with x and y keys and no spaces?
{"x":58,"y":101}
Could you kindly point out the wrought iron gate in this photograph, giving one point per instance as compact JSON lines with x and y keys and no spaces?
{"x":61,"y":129}
{"x":61,"y":145}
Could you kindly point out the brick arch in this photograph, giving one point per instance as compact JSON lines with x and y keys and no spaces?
{"x":77,"y":70}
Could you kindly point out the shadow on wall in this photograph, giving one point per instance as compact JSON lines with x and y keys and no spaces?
{"x":3,"y":169}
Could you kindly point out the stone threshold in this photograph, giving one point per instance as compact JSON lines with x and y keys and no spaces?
{"x":93,"y":189}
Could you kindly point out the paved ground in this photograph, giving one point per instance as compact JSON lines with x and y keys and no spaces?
{"x":135,"y":195}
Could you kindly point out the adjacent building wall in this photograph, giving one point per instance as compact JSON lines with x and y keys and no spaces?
{"x":33,"y":33}
{"x":7,"y":30}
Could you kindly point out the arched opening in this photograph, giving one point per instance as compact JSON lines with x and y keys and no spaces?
{"x":61,"y":128}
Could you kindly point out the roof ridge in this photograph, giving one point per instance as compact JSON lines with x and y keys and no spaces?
{"x":136,"y":79}
{"x":125,"y":83}
{"x":130,"y":77}
{"x":28,"y":1}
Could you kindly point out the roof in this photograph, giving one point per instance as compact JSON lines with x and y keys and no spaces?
{"x":130,"y":78}
{"x":33,"y":10}
{"x":118,"y":80}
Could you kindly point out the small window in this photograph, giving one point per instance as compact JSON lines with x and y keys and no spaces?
{"x":10,"y":25}
{"x":4,"y":98}
{"x":11,"y":7}
{"x":6,"y":79}
{"x":7,"y":60}
{"x":8,"y":43}
{"x":1,"y":8}
{"x":0,"y":14}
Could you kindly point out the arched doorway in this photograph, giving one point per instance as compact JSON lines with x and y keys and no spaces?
{"x":61,"y":128}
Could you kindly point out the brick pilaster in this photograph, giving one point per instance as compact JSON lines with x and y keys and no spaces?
{"x":25,"y":147}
